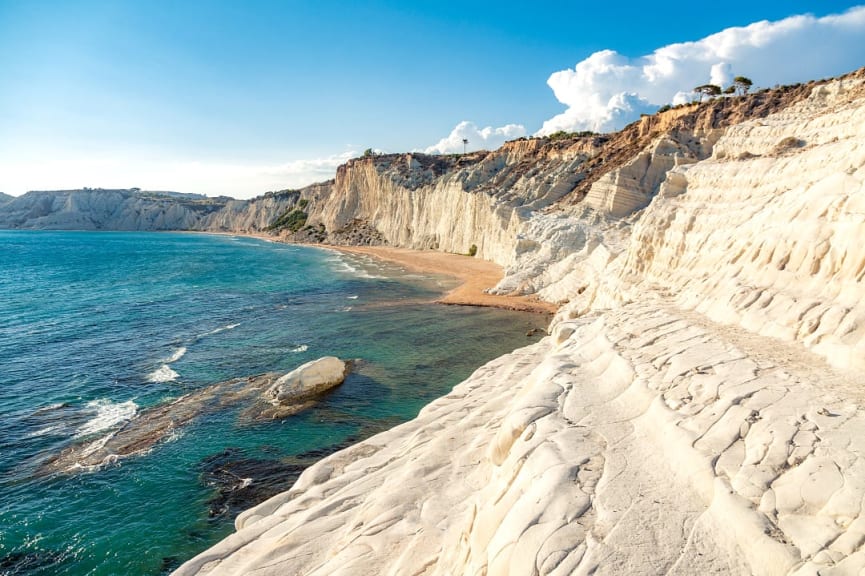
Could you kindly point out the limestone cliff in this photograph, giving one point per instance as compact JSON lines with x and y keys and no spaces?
{"x":449,"y":203}
{"x":106,"y":210}
{"x":133,"y":209}
{"x":698,"y":406}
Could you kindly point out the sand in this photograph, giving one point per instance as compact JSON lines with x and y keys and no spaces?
{"x":475,"y":275}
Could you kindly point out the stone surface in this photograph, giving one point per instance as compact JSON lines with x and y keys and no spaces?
{"x":698,"y":407}
{"x":307,"y":381}
{"x":151,"y":426}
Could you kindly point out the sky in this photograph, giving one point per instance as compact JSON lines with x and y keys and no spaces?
{"x":238,"y":97}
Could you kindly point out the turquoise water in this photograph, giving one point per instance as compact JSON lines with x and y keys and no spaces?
{"x":96,"y":327}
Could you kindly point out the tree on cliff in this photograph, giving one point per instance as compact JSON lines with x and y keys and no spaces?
{"x":708,"y":90}
{"x":742,"y":84}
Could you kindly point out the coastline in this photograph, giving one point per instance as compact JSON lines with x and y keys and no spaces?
{"x":475,"y":276}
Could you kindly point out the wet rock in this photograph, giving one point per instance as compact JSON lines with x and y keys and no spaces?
{"x":243,"y":482}
{"x":21,"y":563}
{"x":169,"y":564}
{"x":152,"y":425}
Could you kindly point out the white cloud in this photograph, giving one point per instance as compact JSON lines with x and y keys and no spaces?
{"x":488,"y":138}
{"x":607,"y":90}
{"x":211,"y":178}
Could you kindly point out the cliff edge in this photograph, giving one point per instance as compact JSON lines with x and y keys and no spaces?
{"x":698,"y":406}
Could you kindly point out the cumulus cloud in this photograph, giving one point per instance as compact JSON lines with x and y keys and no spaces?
{"x":488,"y":138}
{"x":607,"y":90}
{"x":211,"y":178}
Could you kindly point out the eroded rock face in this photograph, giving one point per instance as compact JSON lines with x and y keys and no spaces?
{"x":676,"y":421}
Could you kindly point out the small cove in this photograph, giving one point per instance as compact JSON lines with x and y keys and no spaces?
{"x":99,"y":326}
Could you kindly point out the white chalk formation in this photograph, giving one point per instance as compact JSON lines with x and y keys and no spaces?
{"x":698,"y":407}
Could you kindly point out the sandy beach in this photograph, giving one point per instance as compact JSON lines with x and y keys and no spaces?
{"x":475,"y":275}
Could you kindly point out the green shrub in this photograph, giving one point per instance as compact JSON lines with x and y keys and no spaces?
{"x":473,"y":250}
{"x":294,"y":220}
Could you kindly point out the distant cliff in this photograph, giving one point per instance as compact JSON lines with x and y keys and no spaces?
{"x":133,"y":209}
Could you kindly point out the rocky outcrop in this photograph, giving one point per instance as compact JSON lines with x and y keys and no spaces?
{"x":294,"y":391}
{"x":624,"y":190}
{"x":151,"y":426}
{"x":765,"y":233}
{"x":271,"y":396}
{"x":696,"y":409}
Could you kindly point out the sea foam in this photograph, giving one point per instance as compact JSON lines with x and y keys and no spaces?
{"x":220,"y":329}
{"x":108,"y":414}
{"x":162,"y":374}
{"x":177,"y":355}
{"x":346,"y":267}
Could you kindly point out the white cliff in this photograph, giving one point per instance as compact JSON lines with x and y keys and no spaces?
{"x":133,"y":209}
{"x":441,"y":203}
{"x":698,"y":407}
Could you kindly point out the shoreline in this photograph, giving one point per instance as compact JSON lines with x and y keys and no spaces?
{"x":475,"y":276}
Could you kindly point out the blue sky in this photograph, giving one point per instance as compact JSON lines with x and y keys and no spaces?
{"x":230,"y":97}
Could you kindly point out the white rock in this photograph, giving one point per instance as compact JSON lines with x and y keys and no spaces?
{"x":675,"y":423}
{"x":307,"y":380}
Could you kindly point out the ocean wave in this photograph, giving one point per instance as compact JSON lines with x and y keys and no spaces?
{"x":354,"y":297}
{"x":162,"y":374}
{"x":220,"y":329}
{"x":108,"y":414}
{"x":177,"y":355}
{"x":301,"y":348}
{"x":43,"y":431}
{"x":345,"y":266}
{"x":50,"y":408}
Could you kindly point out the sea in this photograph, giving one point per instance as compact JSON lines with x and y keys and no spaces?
{"x":96,"y":328}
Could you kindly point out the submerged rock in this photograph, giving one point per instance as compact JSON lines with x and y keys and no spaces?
{"x":152,"y":425}
{"x":242,"y":482}
{"x":16,"y":563}
{"x":275,"y":397}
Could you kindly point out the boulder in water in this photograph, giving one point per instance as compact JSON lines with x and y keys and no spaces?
{"x":307,"y":381}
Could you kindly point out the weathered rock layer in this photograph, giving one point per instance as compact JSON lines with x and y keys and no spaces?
{"x":698,"y":405}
